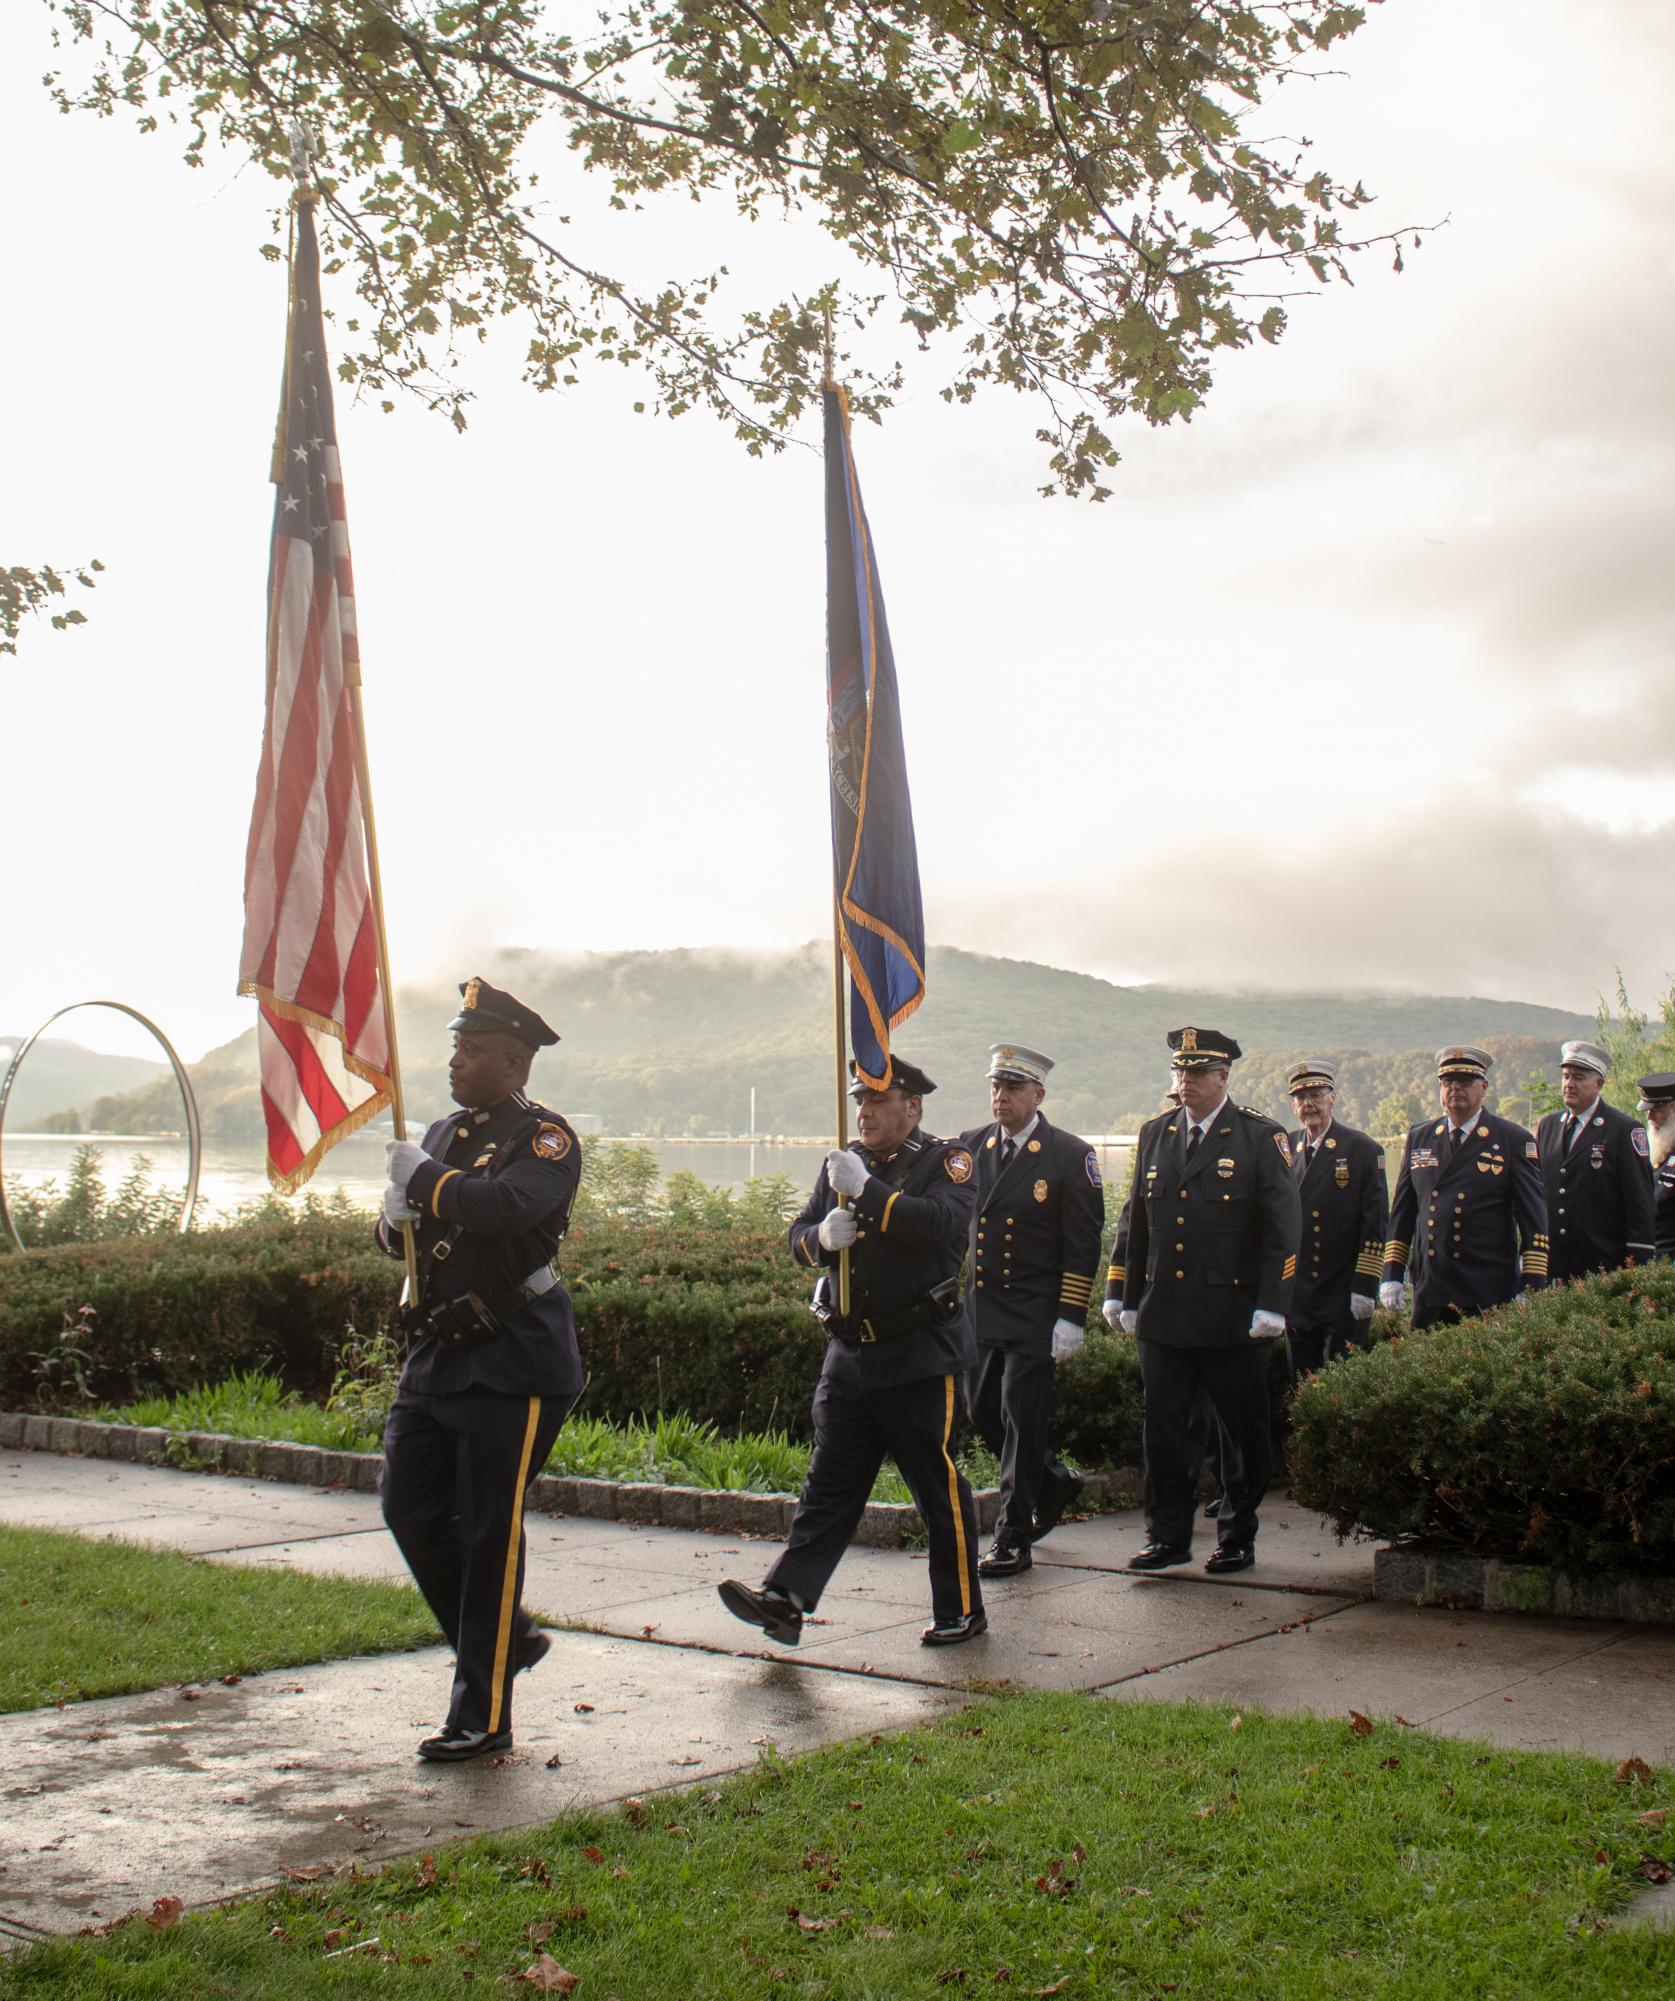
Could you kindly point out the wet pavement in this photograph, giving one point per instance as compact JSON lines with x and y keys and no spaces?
{"x":110,"y":1804}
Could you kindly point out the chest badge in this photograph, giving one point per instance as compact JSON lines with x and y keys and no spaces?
{"x":1225,"y":1169}
{"x":957,"y":1164}
{"x":1340,"y":1174}
{"x":550,"y":1142}
{"x":1040,"y":1191}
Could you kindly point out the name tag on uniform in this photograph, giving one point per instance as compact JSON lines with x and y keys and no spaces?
{"x":1422,"y":1156}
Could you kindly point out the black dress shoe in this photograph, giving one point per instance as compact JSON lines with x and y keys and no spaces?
{"x":768,"y":1608}
{"x":1213,"y":1508}
{"x":1231,"y":1556}
{"x":532,"y":1651}
{"x":1004,"y":1559}
{"x":950,"y":1632}
{"x":1160,"y":1556}
{"x":1058,"y":1494}
{"x":452,"y":1747}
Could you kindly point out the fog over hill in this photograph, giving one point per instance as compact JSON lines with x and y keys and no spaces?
{"x":673,"y":1041}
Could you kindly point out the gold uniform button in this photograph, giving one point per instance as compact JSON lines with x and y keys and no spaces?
{"x":1180,"y":1274}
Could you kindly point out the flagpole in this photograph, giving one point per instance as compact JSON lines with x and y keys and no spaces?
{"x":302,"y":168}
{"x":839,"y":1044}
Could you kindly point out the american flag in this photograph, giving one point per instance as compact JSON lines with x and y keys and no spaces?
{"x":310,"y":943}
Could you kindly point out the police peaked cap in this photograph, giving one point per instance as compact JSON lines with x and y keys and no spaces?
{"x":1198,"y":1048}
{"x":904,"y":1076}
{"x":485,"y":1010}
{"x":1659,"y":1088}
{"x":1464,"y":1062}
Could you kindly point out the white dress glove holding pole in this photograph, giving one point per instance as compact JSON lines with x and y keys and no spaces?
{"x":397,"y":1208}
{"x":846,"y":1174}
{"x":1361,"y":1305}
{"x":401,"y":1158}
{"x":1068,"y":1336}
{"x":1264,"y":1326}
{"x":1129,"y":1320}
{"x":837,"y":1229}
{"x":1111,"y":1312}
{"x":1390,"y":1295}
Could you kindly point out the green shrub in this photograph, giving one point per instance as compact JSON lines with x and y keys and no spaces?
{"x":1096,"y":1401}
{"x":1545,"y":1430}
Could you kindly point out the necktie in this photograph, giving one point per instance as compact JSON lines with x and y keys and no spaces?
{"x":1193,"y":1135}
{"x":1007,"y":1148}
{"x":1569,"y":1131}
{"x":1456,"y":1137}
{"x":1308,"y":1156}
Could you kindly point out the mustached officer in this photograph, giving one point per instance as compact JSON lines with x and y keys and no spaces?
{"x":1657,"y":1101}
{"x":1596,"y":1173}
{"x":493,"y":1368}
{"x":1030,"y":1267}
{"x":1346,"y":1216}
{"x":1210,"y":1259}
{"x":1468,"y":1217}
{"x":900,"y":1202}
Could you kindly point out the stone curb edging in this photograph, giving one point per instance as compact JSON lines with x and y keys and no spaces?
{"x":1463,"y":1583}
{"x":885,"y":1525}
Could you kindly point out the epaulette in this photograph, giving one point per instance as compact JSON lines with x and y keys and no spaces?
{"x":1250,"y":1112}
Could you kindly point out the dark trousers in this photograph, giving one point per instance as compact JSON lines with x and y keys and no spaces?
{"x":854,"y":1427}
{"x":1009,"y":1401}
{"x":1311,"y":1347}
{"x":1207,"y":1442}
{"x":455,"y":1472}
{"x":1235,"y":1382}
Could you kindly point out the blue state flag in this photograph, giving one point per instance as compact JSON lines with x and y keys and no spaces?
{"x":880,"y":918}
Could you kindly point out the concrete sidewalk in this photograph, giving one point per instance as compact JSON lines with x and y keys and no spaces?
{"x":113,"y":1803}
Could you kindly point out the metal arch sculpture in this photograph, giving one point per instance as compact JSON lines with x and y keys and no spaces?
{"x":194,"y":1131}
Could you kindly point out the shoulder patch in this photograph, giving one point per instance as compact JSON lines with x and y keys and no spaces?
{"x":1092,"y":1162}
{"x":956,"y":1164}
{"x":1530,"y":1152}
{"x":1378,"y":1162}
{"x":1640,"y":1144}
{"x":1284,"y":1146}
{"x":550,"y":1142}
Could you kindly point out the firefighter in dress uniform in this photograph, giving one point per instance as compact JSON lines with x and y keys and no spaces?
{"x":1211,"y":1257}
{"x":1657,"y":1101}
{"x":1030,"y":1267}
{"x":900,"y":1202}
{"x":1346,"y":1214}
{"x":493,"y":1367}
{"x":1596,"y":1173}
{"x":1468,"y":1217}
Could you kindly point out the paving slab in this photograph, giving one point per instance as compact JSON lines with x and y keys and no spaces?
{"x":112,"y":1804}
{"x":1296,"y":1550}
{"x":45,"y":1490}
{"x":1529,"y":1683}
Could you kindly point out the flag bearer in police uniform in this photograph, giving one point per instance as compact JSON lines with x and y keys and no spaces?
{"x":1468,"y":1217}
{"x":900,"y":1202}
{"x":1657,"y":1101}
{"x":1030,"y":1267}
{"x":1346,"y":1213}
{"x":1596,"y":1173}
{"x":493,"y":1367}
{"x":1206,"y":1285}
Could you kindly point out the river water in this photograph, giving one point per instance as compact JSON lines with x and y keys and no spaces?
{"x":234,"y":1171}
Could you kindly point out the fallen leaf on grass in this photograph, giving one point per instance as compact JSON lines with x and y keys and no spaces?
{"x":1632,"y":1771}
{"x":1238,"y":1723}
{"x":1655,"y":1818}
{"x":879,"y":1933}
{"x":1359,"y":1725}
{"x":539,"y":1932}
{"x":1654,"y":1869}
{"x":676,"y":1827}
{"x":548,"y":1977}
{"x":1388,"y":1764}
{"x":309,"y":1874}
{"x":804,"y":1923}
{"x":1057,"y":1987}
{"x":165,"y":1912}
{"x":592,"y":1855}
{"x":1403,"y":1721}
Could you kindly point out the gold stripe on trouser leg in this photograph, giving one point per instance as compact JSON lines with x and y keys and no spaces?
{"x":509,"y":1585}
{"x":954,"y":1498}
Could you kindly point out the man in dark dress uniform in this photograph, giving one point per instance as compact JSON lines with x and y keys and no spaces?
{"x":1657,"y":1101}
{"x":1346,"y":1213}
{"x":1206,"y":1285}
{"x":900,"y":1203}
{"x":1472,"y":1183}
{"x":1030,"y":1267}
{"x":1596,"y":1173}
{"x":493,"y":1367}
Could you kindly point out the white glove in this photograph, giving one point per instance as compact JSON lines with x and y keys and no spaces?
{"x":1111,"y":1309}
{"x":401,"y":1159}
{"x":1264,"y":1326}
{"x":1129,"y":1320}
{"x":1068,"y":1336}
{"x":397,"y":1208}
{"x":846,"y":1173}
{"x":1390,"y":1295}
{"x":1361,"y":1305}
{"x":837,"y":1229}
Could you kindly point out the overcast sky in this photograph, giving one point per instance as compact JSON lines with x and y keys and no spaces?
{"x":1361,"y":680}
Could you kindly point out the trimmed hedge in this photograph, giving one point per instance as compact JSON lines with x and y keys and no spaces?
{"x":1544,"y":1431}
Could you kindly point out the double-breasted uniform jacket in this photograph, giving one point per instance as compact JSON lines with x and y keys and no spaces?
{"x":1345,"y":1224}
{"x":1471,"y":1224}
{"x":1210,"y":1240}
{"x":1033,"y":1250}
{"x":911,"y":1223}
{"x":1599,"y":1192}
{"x":494,"y":1202}
{"x":1663,"y":1215}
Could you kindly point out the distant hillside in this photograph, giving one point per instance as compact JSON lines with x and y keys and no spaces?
{"x":671,"y":1042}
{"x":57,"y":1074}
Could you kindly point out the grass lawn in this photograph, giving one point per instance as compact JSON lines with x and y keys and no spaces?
{"x":88,"y":1618}
{"x":1039,"y":1844}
